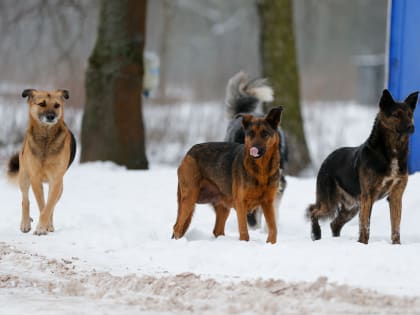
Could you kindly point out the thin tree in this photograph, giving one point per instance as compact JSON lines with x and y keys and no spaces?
{"x":280,"y":67}
{"x":112,"y":126}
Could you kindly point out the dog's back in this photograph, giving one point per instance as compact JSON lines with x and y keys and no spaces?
{"x":214,"y":161}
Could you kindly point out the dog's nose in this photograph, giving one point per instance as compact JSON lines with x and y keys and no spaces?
{"x":261,"y":151}
{"x":50,"y":116}
{"x":410,"y":129}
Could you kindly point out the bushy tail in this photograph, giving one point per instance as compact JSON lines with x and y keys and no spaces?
{"x":309,"y":210}
{"x":315,"y":227}
{"x":13,"y":167}
{"x":243,"y":95}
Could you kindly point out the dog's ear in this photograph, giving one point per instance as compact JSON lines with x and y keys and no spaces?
{"x":273,"y":117}
{"x":28,"y":92}
{"x":246,"y":120}
{"x":64,"y":94}
{"x":412,"y":99}
{"x":386,"y":101}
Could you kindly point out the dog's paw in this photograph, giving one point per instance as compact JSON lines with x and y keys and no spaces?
{"x":244,"y":237}
{"x":271,"y":239}
{"x":40,"y":230}
{"x":50,"y":228}
{"x":25,"y":226}
{"x":363,"y":240}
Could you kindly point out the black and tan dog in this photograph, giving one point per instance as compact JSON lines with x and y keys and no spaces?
{"x":245,"y":96}
{"x":242,"y":176}
{"x":352,"y":179}
{"x":48,"y":150}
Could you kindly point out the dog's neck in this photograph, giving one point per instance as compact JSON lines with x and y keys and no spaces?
{"x":265,"y":169}
{"x":44,"y":133}
{"x":391,"y":143}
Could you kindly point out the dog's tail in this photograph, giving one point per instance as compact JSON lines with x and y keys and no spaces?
{"x":243,"y":95}
{"x":309,"y":210}
{"x":315,"y":227}
{"x":13,"y":168}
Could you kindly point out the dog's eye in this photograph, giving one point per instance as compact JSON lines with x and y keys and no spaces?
{"x":56,"y":105}
{"x":264,"y":134}
{"x":42,"y":104}
{"x":251,"y":133}
{"x":397,"y":115}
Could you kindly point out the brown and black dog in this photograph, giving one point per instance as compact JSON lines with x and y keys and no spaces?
{"x":242,"y":176}
{"x":352,"y":179}
{"x":48,"y":150}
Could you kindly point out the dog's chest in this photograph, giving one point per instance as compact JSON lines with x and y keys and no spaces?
{"x":44,"y":145}
{"x":388,"y":182}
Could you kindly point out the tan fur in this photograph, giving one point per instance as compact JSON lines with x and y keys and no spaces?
{"x":44,"y":157}
{"x":227,"y":176}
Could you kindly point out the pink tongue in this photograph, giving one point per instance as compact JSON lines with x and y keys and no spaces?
{"x":253,"y":152}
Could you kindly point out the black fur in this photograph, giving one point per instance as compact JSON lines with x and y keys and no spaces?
{"x":13,"y":166}
{"x":239,"y":102}
{"x":344,"y":171}
{"x":72,"y":149}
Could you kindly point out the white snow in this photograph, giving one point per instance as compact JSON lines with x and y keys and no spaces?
{"x":120,"y":222}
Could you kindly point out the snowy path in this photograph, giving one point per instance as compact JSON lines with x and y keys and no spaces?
{"x":34,"y":284}
{"x":119,"y":224}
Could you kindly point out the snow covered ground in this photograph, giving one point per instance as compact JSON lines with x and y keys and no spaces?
{"x":118,"y":223}
{"x":112,"y":253}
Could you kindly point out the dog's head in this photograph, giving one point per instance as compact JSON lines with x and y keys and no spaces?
{"x":398,"y":116}
{"x":261,"y":133}
{"x":46,"y":107}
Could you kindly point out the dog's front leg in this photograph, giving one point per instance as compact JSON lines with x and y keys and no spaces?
{"x":241,"y":212}
{"x":45,"y":217}
{"x":50,"y":227}
{"x":395,"y":206}
{"x":38,"y":190}
{"x":24,"y":184}
{"x":364,"y":218}
{"x":270,"y":219}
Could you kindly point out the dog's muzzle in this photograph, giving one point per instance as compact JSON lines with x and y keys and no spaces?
{"x":407,"y":130}
{"x":411,"y":129}
{"x":256,"y":152}
{"x":49,"y":118}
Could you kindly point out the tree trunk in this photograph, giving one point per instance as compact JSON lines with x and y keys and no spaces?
{"x":112,"y":126}
{"x":280,"y":67}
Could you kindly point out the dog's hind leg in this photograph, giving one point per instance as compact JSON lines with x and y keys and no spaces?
{"x":24,"y":184}
{"x":186,"y":205}
{"x":188,"y":193}
{"x":253,"y":220}
{"x":344,"y":215}
{"x":222,"y":214}
{"x":54,"y":193}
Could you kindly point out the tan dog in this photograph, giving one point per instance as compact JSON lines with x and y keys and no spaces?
{"x":48,"y":150}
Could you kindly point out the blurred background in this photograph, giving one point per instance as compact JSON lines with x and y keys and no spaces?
{"x":192,"y":48}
